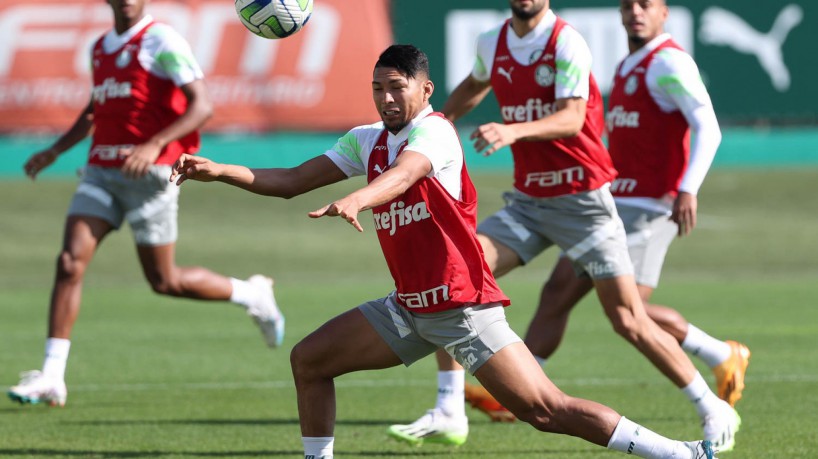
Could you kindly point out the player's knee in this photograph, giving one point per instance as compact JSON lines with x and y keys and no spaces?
{"x":543,"y":416}
{"x":69,"y":267}
{"x":166,"y":286}
{"x":626,"y":326}
{"x":301,"y":363}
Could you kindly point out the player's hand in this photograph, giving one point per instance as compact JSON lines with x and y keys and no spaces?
{"x":684,"y":212}
{"x":189,"y":167}
{"x":492,"y":137}
{"x":345,"y":208}
{"x":39,"y":161}
{"x":139,"y":159}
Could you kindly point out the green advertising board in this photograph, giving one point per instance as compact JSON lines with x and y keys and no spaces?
{"x":758,"y":60}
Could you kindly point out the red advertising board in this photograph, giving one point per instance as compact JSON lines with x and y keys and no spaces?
{"x":317,"y":79}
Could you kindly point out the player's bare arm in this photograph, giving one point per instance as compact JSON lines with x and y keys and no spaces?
{"x":408,"y":168}
{"x":140,"y":158}
{"x":81,"y":128}
{"x":284,"y":183}
{"x":467,"y":95}
{"x":566,"y":121}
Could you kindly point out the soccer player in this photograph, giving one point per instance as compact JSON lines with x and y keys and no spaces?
{"x":657,"y":99}
{"x":147,"y":104}
{"x":424,"y":207}
{"x":539,"y":69}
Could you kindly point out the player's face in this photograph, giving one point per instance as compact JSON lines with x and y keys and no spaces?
{"x":128,"y":11}
{"x":399,"y":99}
{"x":644,"y":20}
{"x":527,"y":9}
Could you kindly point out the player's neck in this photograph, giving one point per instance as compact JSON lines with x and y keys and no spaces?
{"x":523,"y":27}
{"x":123,"y":25}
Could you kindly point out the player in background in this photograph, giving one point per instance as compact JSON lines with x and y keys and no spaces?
{"x":657,"y":99}
{"x":539,"y":69}
{"x":424,"y":208}
{"x":147,"y":104}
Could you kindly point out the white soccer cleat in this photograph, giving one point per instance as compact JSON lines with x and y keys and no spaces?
{"x":35,"y":387}
{"x":433,"y":427}
{"x":264,"y":311}
{"x":720,"y":429}
{"x":701,"y":449}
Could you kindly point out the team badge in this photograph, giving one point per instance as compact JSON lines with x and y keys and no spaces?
{"x":544,"y":75}
{"x":631,"y":85}
{"x":124,"y":58}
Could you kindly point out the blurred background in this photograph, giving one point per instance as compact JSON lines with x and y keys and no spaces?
{"x":298,"y":94}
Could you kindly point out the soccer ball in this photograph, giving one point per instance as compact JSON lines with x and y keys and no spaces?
{"x":274,"y":18}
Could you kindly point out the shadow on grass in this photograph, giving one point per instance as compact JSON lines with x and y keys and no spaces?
{"x":414,"y":452}
{"x":228,"y":422}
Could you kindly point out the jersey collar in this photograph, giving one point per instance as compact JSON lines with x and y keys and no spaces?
{"x":113,"y":42}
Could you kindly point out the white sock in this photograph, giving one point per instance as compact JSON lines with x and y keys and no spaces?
{"x":711,"y":350}
{"x":450,"y":392}
{"x":631,"y":438}
{"x":244,"y":293}
{"x":317,"y":447}
{"x":700,"y":394}
{"x":56,"y":357}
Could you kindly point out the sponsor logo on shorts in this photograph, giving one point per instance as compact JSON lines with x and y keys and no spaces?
{"x":554,"y":178}
{"x":400,"y":214}
{"x":469,"y":359}
{"x":596,"y":268}
{"x":426,"y":298}
{"x":533,"y":109}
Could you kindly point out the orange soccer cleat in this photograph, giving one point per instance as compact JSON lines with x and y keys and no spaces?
{"x":478,"y":397}
{"x":730,"y":373}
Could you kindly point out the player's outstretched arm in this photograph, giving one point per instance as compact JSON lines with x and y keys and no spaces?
{"x":404,"y":172}
{"x":284,"y":183}
{"x":78,"y":131}
{"x":467,"y":95}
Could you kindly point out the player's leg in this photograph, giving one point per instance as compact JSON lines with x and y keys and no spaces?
{"x":93,"y":213}
{"x":516,"y":379}
{"x":152,"y":208}
{"x":563,"y":290}
{"x":650,"y":234}
{"x":376,"y":335}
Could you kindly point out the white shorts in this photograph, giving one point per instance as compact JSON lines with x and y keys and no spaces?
{"x":650,"y":234}
{"x":471,"y":335}
{"x":585,"y":226}
{"x":150,"y":204}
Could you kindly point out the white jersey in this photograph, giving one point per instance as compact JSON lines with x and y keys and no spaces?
{"x":573,"y":55}
{"x":675,"y":84}
{"x":431,"y":136}
{"x":164,"y":53}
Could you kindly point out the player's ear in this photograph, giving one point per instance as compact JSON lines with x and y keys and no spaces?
{"x":428,"y":89}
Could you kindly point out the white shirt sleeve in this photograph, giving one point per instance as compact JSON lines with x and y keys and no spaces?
{"x":346,"y":153}
{"x":437,"y":140}
{"x":171,"y":55}
{"x":573,"y":59}
{"x":486,"y":49}
{"x":675,"y":84}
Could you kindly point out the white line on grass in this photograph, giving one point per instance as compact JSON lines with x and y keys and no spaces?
{"x":281,"y":384}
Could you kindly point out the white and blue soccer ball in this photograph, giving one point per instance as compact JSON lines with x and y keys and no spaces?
{"x":274,"y":18}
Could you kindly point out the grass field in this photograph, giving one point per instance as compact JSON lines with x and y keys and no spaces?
{"x":153,"y":377}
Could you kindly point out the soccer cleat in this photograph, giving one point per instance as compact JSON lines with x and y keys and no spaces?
{"x":730,"y":373}
{"x":433,"y":427}
{"x":35,"y":387}
{"x":479,"y":398}
{"x":264,"y":311}
{"x":721,"y":429}
{"x":701,"y":449}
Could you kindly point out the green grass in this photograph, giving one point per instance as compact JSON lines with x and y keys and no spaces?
{"x":153,"y":377}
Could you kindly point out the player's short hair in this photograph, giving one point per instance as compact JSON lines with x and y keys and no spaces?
{"x":407,"y":59}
